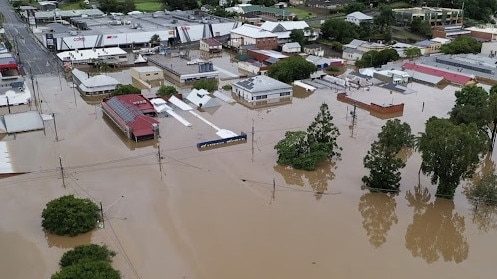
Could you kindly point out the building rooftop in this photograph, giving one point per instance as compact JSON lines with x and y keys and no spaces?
{"x":489,"y":28}
{"x":448,"y":75}
{"x":180,"y":66}
{"x":282,"y":26}
{"x":253,"y":31}
{"x":272,"y":10}
{"x":88,"y":54}
{"x":270,"y":53}
{"x":360,"y":16}
{"x":261,"y":83}
{"x":147,"y":69}
{"x":129,"y":109}
{"x":211,"y":42}
{"x":424,"y":10}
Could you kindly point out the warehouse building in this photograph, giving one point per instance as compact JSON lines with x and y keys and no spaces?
{"x":118,"y":30}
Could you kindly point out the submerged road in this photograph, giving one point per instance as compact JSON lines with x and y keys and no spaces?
{"x":31,"y":56}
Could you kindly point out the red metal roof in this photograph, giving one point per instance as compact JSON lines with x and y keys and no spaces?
{"x":138,"y":101}
{"x":211,"y":42}
{"x":142,"y":125}
{"x":130,"y":109}
{"x":450,"y":76}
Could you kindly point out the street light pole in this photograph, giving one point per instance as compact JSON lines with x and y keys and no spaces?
{"x":55,"y":127}
{"x":8,"y":104}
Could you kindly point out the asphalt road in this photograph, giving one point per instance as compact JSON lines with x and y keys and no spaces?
{"x":32,"y":57}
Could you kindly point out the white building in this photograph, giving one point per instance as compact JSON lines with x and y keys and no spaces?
{"x":358,"y":17}
{"x":93,"y":85}
{"x":282,"y":29}
{"x":202,"y":99}
{"x":489,"y":49}
{"x":111,"y":55}
{"x":262,"y":90}
{"x":291,"y":48}
{"x":253,"y":35}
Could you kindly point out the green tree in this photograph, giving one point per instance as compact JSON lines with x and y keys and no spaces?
{"x":292,"y":68}
{"x":298,"y":36}
{"x":421,"y":27}
{"x":129,"y":5}
{"x":304,"y":150}
{"x":167,"y":90}
{"x":339,"y":30}
{"x":69,"y":215}
{"x":382,"y":160}
{"x":207,"y":84}
{"x":183,"y":5}
{"x":155,"y":40}
{"x":227,"y":87}
{"x":462,"y":44}
{"x":484,"y":190}
{"x":91,"y":269}
{"x":354,"y":7}
{"x":413,"y":52}
{"x":124,"y":89}
{"x":108,"y":6}
{"x":474,"y":105}
{"x":322,"y":134}
{"x":450,"y":153}
{"x":86,"y":253}
{"x":385,"y":18}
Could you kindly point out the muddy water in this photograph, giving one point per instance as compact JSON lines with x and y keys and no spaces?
{"x":214,"y":214}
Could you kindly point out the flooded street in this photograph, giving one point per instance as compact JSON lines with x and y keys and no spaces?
{"x":213,"y":214}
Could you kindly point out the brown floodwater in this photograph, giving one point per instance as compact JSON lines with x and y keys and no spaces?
{"x":233,"y":212}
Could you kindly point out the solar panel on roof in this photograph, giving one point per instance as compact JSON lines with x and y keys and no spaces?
{"x":122,"y":110}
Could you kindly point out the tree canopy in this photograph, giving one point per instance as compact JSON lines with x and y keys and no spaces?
{"x":124,"y":89}
{"x":298,"y":36}
{"x":85,"y":253}
{"x":339,"y":30}
{"x":375,"y":58}
{"x":292,"y":68}
{"x":304,"y":150}
{"x":69,"y":215}
{"x":207,"y":84}
{"x":450,"y":153}
{"x":484,"y":190}
{"x":155,"y":40}
{"x":183,"y":5}
{"x":421,"y":27}
{"x":413,"y":52}
{"x":462,"y":44}
{"x":167,"y":90}
{"x":475,"y":105}
{"x":381,"y":159}
{"x":87,"y":261}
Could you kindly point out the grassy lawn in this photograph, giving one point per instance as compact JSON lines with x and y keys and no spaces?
{"x":301,"y":13}
{"x":148,"y":6}
{"x":70,"y":6}
{"x":141,"y":5}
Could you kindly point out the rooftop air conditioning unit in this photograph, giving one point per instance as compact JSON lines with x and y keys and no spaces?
{"x":73,"y":33}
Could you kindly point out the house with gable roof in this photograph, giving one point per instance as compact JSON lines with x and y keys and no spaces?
{"x":283,"y":29}
{"x":253,"y":35}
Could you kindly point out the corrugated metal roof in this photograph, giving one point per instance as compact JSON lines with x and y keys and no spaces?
{"x":360,"y":16}
{"x":260,"y":84}
{"x":287,"y":25}
{"x":252,"y":31}
{"x":450,"y":76}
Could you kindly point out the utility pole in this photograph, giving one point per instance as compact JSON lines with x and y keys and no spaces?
{"x":160,"y":159}
{"x":354,"y":116}
{"x":253,"y":132}
{"x":102,"y":215}
{"x":74,"y":91}
{"x":39,"y":99}
{"x":55,"y":127}
{"x":62,"y":172}
{"x":274,"y":189}
{"x":8,"y":104}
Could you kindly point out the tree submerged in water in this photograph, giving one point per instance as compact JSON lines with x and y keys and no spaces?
{"x":305,"y":149}
{"x":382,"y":160}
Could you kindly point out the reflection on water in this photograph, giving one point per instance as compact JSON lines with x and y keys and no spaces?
{"x":418,"y":199}
{"x":318,"y":180}
{"x":436,"y":232}
{"x":485,"y":217}
{"x":131,"y":144}
{"x":300,"y":93}
{"x":378,"y":213}
{"x":67,"y":241}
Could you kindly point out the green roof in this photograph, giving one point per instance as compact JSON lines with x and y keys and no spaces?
{"x":273,"y":10}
